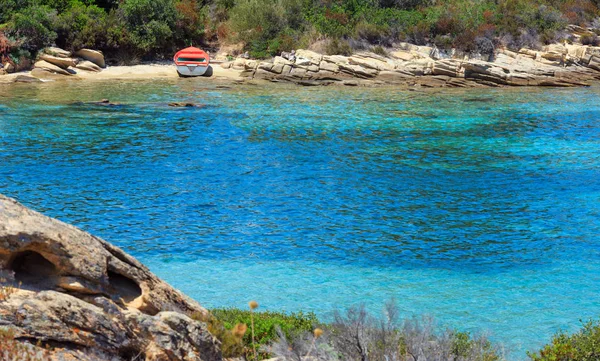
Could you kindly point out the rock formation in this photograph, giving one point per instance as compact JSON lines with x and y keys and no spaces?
{"x":94,"y":56}
{"x":87,"y":299}
{"x":555,"y":65}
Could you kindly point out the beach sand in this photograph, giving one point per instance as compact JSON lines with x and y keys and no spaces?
{"x":132,"y":72}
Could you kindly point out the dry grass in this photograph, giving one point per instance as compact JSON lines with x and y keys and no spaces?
{"x":12,"y":349}
{"x":7,"y":289}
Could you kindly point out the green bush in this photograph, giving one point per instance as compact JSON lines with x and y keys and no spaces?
{"x":265,"y":324}
{"x":33,"y":27}
{"x":583,"y":345}
{"x":338,"y":47}
{"x":150,"y":24}
{"x":267,"y":27}
{"x":189,"y":28}
{"x":81,"y":26}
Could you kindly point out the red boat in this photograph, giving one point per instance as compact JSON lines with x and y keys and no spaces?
{"x":191,"y":61}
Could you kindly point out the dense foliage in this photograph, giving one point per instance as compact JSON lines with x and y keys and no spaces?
{"x":583,"y":345}
{"x":135,"y":29}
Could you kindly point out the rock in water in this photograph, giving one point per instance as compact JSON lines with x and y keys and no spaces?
{"x":94,"y":56}
{"x":87,"y":298}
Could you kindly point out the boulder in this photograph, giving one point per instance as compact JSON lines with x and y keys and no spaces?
{"x":371,"y":61}
{"x":307,"y":57}
{"x":239,"y":64}
{"x":325,"y":65}
{"x":94,"y":56}
{"x":57,"y":52}
{"x":88,"y":66}
{"x":251,"y":65}
{"x":297,"y":72}
{"x":9,"y":68}
{"x":394,"y":76}
{"x":45,"y":74}
{"x":27,"y":79}
{"x":58,"y":61}
{"x":265,"y":66}
{"x":79,"y":292}
{"x":446,"y":67}
{"x":358,"y":71}
{"x":282,"y":61}
{"x":528,"y":53}
{"x":594,"y":63}
{"x":405,"y":55}
{"x":277,"y":68}
{"x":42,"y":64}
{"x":486,"y":71}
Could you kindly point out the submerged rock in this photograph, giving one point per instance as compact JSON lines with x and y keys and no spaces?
{"x":83,"y":296}
{"x":185,"y":105}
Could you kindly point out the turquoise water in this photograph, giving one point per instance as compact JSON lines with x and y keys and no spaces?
{"x":478,"y":207}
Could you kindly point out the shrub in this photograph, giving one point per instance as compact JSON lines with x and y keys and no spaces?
{"x":265,"y":325}
{"x":379,"y":50}
{"x":81,"y":26}
{"x":150,"y":24}
{"x":338,"y":47}
{"x":190,"y":23}
{"x":231,"y":339}
{"x":356,"y":336}
{"x":589,"y":39}
{"x":583,"y":345}
{"x":33,"y":27}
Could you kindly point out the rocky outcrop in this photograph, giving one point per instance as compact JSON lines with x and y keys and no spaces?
{"x":80,"y":295}
{"x":410,"y":65}
{"x":88,"y":66}
{"x":42,"y":64}
{"x":94,"y":56}
{"x":61,"y":62}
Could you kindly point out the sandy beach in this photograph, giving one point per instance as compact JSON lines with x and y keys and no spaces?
{"x":131,"y":72}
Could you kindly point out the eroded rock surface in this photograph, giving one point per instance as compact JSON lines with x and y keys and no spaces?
{"x":555,"y":65}
{"x":83,"y":296}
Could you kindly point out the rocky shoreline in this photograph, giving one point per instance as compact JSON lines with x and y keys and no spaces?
{"x":556,"y":65}
{"x":73,"y":296}
{"x":406,"y":66}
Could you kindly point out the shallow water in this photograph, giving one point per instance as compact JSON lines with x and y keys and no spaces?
{"x":479,"y":207}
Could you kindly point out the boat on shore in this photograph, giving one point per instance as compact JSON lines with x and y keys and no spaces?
{"x":191,"y":62}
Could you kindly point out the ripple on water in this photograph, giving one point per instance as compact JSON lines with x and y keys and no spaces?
{"x":481,"y":209}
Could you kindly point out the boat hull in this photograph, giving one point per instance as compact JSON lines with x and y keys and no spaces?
{"x":192,"y":70}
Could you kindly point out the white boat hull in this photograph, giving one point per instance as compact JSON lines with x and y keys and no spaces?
{"x":192,"y":70}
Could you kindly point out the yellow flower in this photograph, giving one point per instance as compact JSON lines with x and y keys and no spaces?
{"x":239,"y":330}
{"x":318,"y":332}
{"x":253,"y":305}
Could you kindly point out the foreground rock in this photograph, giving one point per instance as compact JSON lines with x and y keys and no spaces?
{"x":555,"y":65}
{"x":87,"y":299}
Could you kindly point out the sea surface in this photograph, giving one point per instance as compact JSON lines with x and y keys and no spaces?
{"x":480,"y":208}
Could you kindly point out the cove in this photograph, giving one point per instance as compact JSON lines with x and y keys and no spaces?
{"x":478,"y":207}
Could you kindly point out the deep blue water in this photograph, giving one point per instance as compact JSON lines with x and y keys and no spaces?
{"x":478,"y":207}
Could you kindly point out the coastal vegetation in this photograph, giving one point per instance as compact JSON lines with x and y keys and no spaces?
{"x":132,"y":30}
